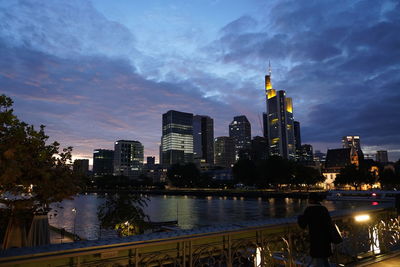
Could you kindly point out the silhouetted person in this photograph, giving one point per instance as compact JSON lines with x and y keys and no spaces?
{"x":319,"y":223}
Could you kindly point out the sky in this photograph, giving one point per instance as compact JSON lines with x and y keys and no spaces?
{"x":98,"y":71}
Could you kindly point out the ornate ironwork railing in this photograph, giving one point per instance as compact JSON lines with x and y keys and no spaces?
{"x":275,"y":242}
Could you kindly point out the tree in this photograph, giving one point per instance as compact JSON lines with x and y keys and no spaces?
{"x":124,"y":213}
{"x":33,"y":174}
{"x":389,"y":179}
{"x":244,"y":171}
{"x":279,"y":171}
{"x":184,"y":175}
{"x":352,"y":175}
{"x":307,"y":175}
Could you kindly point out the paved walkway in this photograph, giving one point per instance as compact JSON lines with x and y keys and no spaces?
{"x":388,"y":261}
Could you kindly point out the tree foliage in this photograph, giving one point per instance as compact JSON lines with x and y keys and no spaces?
{"x":244,"y":171}
{"x":33,"y":174}
{"x":389,"y":179}
{"x":187,"y":175}
{"x":124,"y":213}
{"x":354,"y":176}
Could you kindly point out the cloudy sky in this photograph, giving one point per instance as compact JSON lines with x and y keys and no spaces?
{"x":101,"y":70}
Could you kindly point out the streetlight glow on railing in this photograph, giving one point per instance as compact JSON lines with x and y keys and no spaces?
{"x":362,"y":218}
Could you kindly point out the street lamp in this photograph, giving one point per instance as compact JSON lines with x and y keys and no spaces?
{"x":74,"y":211}
{"x":127,"y":224}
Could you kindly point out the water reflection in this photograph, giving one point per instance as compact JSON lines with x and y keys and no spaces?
{"x":189,"y":211}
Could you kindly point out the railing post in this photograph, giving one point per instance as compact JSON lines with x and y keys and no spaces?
{"x":190,"y":254}
{"x":229,"y":256}
{"x":136,"y":257}
{"x":184,"y":254}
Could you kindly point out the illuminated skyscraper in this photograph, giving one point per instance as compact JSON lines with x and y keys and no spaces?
{"x":128,"y":158}
{"x":240,"y":132}
{"x":177,"y":137}
{"x":203,"y":139}
{"x":279,"y":121}
{"x":353,"y":142}
{"x":224,"y":153}
{"x":103,"y":162}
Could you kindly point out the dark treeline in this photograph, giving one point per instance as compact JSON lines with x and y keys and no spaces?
{"x":370,"y":173}
{"x":272,"y":173}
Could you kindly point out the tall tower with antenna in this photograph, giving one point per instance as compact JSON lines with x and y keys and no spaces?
{"x":278,"y":121}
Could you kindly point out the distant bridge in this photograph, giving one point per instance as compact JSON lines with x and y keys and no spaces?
{"x":272,"y":242}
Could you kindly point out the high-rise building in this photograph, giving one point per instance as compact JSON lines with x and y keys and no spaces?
{"x":240,"y":132}
{"x":280,"y":121}
{"x":319,"y":156}
{"x":177,"y":137}
{"x":151,"y":160}
{"x":382,"y":156}
{"x":353,"y":142}
{"x":81,"y":166}
{"x":306,"y":153}
{"x":103,"y":162}
{"x":297,"y":135}
{"x":259,"y":148}
{"x":128,"y":158}
{"x":203,"y":139}
{"x":224,"y":151}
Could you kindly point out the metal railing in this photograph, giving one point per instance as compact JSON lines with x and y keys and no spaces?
{"x":275,"y":242}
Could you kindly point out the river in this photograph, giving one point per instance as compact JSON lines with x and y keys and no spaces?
{"x":189,"y":211}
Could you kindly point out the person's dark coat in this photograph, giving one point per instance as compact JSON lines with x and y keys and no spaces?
{"x":319,"y":223}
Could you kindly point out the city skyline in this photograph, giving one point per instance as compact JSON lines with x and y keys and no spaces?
{"x":96,"y":72}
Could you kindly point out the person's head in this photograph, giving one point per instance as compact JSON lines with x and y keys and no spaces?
{"x":314,"y":198}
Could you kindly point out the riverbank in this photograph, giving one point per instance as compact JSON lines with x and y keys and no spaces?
{"x":213,"y":192}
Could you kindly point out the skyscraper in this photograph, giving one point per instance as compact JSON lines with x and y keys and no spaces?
{"x":103,"y":162}
{"x":203,"y":139}
{"x":177,"y":137}
{"x":81,"y":166}
{"x":280,"y":122}
{"x":240,"y":132}
{"x":259,"y":148}
{"x":224,"y":152}
{"x":128,"y":158}
{"x":353,"y":142}
{"x":382,"y":156}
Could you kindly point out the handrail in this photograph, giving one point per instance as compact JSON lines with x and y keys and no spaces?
{"x":68,"y":250}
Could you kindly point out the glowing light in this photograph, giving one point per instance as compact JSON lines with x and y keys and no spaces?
{"x":289,"y":105}
{"x":271,"y":93}
{"x":374,"y":194}
{"x":375,"y":203}
{"x":375,"y":241}
{"x":362,"y":218}
{"x":258,"y":256}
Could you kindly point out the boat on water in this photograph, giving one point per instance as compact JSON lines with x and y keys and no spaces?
{"x":370,"y":195}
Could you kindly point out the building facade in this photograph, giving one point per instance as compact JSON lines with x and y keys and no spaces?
{"x":128,"y":158}
{"x":203,"y":139}
{"x":81,"y":166}
{"x":259,"y":148}
{"x":103,"y":162}
{"x":177,"y":137}
{"x":224,"y":151}
{"x":382,"y":156}
{"x":306,"y":153}
{"x":353,"y":142}
{"x":240,"y":132}
{"x":279,"y":121}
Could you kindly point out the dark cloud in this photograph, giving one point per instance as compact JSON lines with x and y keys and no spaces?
{"x":69,"y":67}
{"x":91,"y":101}
{"x":340,"y":62}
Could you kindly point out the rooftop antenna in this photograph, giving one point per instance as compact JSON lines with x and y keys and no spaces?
{"x":269,"y":67}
